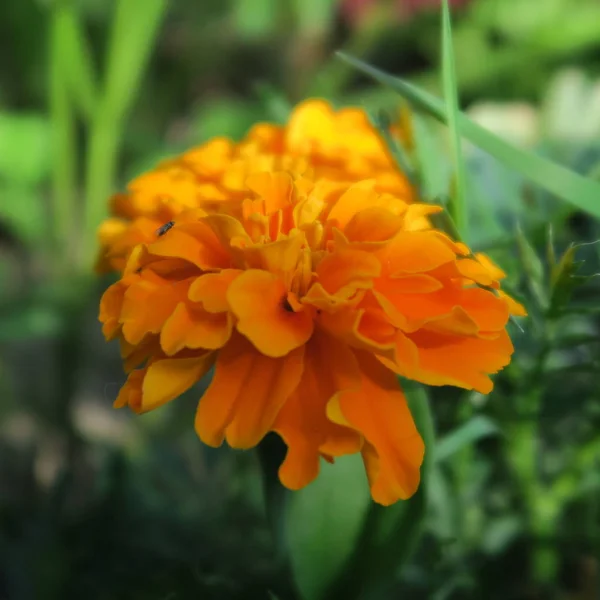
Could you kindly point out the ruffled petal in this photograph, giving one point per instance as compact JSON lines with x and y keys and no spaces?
{"x":465,"y":362}
{"x":246,"y":394}
{"x":168,"y":378}
{"x":193,"y":327}
{"x":148,"y":304}
{"x":394,"y":450}
{"x":329,"y":368}
{"x":265,"y":314}
{"x":210,"y":289}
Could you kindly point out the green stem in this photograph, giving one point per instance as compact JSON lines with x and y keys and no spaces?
{"x":133,"y":35}
{"x":64,"y":143}
{"x":99,"y":179}
{"x":541,"y":507}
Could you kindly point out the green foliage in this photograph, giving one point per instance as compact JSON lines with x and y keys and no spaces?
{"x":570,"y":186}
{"x":458,"y":203}
{"x":97,"y":505}
{"x":466,"y":434}
{"x":324,"y":522}
{"x":25,"y":148}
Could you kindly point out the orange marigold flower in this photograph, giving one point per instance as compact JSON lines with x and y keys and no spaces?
{"x":317,"y":142}
{"x":309,"y":304}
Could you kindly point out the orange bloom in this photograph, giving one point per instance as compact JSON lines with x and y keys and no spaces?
{"x":309,"y":304}
{"x":317,"y":142}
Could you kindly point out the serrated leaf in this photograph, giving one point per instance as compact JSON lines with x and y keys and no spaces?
{"x":564,"y":280}
{"x":323,"y":523}
{"x":534,"y":270}
{"x":564,"y":183}
{"x":465,"y":435}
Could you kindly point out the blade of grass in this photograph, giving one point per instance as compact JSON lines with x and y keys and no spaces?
{"x":134,"y":31}
{"x":81,"y":75}
{"x":433,"y":168}
{"x":582,"y":193}
{"x":458,"y":202}
{"x":381,"y":122}
{"x":64,"y":166}
{"x":135,"y":28}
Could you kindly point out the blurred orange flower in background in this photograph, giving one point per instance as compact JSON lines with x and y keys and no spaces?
{"x":318,"y":142}
{"x":308,"y":294}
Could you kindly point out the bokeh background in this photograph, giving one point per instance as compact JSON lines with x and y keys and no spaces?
{"x":96,"y":504}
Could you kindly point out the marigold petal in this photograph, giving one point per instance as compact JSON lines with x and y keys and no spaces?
{"x":514,"y":308}
{"x":131,"y":392}
{"x":416,"y":252}
{"x":205,"y":252}
{"x":355,"y":199}
{"x":168,"y":378}
{"x":134,"y":356}
{"x":211,"y":290}
{"x":275,"y":189}
{"x":465,"y":362}
{"x":345,"y":271}
{"x":257,"y":299}
{"x":494,"y":270}
{"x":111,"y":304}
{"x":279,"y":257}
{"x":246,"y":394}
{"x":475,"y":271}
{"x":373,"y":224}
{"x":329,"y":367}
{"x":148,"y":303}
{"x":379,"y":411}
{"x":193,"y":327}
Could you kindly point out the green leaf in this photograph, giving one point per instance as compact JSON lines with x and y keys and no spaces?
{"x":434,"y":170}
{"x":465,"y":435}
{"x":391,"y":533}
{"x":580,"y":192}
{"x":500,"y":532}
{"x":23,"y":210}
{"x":25,"y":148}
{"x":314,"y":16}
{"x":255,"y":19}
{"x":79,"y":68}
{"x":29,"y":321}
{"x":223,"y":117}
{"x":133,"y":34}
{"x":458,"y":204}
{"x":324,"y":521}
{"x":534,"y":270}
{"x":274,"y":102}
{"x":564,"y":280}
{"x":398,"y":527}
{"x":381,"y":122}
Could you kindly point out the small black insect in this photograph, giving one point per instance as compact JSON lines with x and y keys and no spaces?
{"x":162,"y":230}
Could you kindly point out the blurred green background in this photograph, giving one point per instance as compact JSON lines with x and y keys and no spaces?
{"x":96,"y":504}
